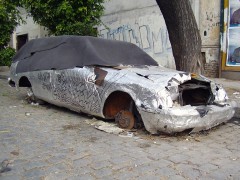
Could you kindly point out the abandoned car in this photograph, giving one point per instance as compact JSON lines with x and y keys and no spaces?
{"x":117,"y":80}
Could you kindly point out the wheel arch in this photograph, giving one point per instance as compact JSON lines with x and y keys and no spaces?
{"x":24,"y":82}
{"x":117,"y":101}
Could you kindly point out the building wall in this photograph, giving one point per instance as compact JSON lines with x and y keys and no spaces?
{"x":30,"y":28}
{"x":210,"y":34}
{"x":141,"y":22}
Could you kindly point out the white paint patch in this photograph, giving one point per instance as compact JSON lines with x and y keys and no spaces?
{"x":105,"y":126}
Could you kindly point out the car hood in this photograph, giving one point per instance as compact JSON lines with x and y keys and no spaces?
{"x":171,"y":84}
{"x":160,"y":75}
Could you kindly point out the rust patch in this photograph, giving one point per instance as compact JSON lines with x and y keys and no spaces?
{"x":100,"y":76}
{"x":125,"y":119}
{"x":116,"y":102}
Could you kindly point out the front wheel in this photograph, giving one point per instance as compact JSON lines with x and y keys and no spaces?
{"x":125,"y":119}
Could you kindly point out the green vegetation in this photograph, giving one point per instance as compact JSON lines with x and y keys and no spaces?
{"x":66,"y":17}
{"x":9,"y":18}
{"x":6,"y":55}
{"x":61,"y":17}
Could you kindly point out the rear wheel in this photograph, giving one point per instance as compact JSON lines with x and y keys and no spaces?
{"x":125,"y":119}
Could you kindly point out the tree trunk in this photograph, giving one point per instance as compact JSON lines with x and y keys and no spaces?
{"x":183,"y":34}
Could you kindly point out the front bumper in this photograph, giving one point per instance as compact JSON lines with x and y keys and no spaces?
{"x":178,"y":119}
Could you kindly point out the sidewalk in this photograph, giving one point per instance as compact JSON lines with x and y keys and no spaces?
{"x":233,"y":90}
{"x":4,"y":72}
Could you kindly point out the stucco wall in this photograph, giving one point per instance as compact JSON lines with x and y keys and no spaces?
{"x":29,"y":27}
{"x":210,"y":34}
{"x":141,"y":22}
{"x":210,"y":22}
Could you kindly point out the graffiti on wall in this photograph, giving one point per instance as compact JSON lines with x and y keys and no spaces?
{"x":210,"y":27}
{"x":147,"y":32}
{"x":141,"y":35}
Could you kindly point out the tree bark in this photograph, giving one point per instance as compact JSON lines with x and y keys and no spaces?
{"x":183,"y":34}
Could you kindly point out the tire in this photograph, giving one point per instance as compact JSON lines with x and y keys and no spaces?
{"x":125,"y":119}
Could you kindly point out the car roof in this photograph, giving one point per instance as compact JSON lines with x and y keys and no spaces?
{"x":64,"y":52}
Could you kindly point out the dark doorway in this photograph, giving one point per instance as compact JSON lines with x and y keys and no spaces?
{"x":21,"y":40}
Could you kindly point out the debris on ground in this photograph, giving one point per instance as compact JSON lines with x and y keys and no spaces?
{"x":15,"y":152}
{"x":4,"y":166}
{"x":129,"y":134}
{"x":12,"y":107}
{"x":4,"y":131}
{"x":237,"y":95}
{"x":105,"y":126}
{"x":34,"y":104}
{"x":72,"y":127}
{"x":28,"y":114}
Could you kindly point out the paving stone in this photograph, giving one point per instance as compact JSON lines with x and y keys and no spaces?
{"x":195,"y":159}
{"x":100,"y":165}
{"x":179,"y":158}
{"x":166,"y":172}
{"x":56,"y":168}
{"x":151,"y":177}
{"x":218,"y":175}
{"x":101,"y":157}
{"x":82,"y":171}
{"x":83,"y":177}
{"x":120,"y":160}
{"x":188,"y":171}
{"x":48,"y":151}
{"x":18,"y":168}
{"x":147,"y":169}
{"x":34,"y":173}
{"x":10,"y":177}
{"x":142,"y":160}
{"x":208,"y":167}
{"x":80,"y":155}
{"x":176,"y":177}
{"x":101,"y":173}
{"x":54,"y":176}
{"x":56,"y":159}
{"x":81,"y":162}
{"x":117,"y":167}
{"x":126,"y":174}
{"x":34,"y":164}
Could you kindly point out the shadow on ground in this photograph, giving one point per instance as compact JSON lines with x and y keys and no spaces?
{"x":235,"y":121}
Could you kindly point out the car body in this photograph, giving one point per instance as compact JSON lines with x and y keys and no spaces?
{"x":118,"y":81}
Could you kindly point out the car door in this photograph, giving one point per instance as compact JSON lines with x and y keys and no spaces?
{"x":75,"y":89}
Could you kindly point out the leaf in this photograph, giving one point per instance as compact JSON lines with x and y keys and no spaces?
{"x":66,"y":16}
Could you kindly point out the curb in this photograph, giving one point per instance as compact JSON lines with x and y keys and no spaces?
{"x":4,"y":68}
{"x":3,"y":77}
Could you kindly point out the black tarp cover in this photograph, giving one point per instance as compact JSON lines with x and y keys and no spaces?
{"x":64,"y":52}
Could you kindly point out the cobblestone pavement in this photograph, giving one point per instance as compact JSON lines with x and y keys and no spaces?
{"x":47,"y":142}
